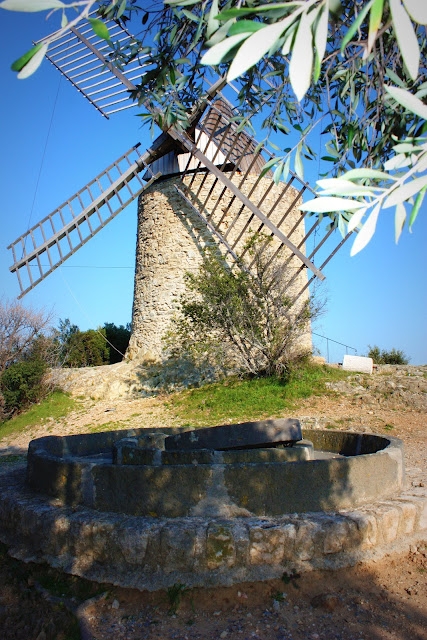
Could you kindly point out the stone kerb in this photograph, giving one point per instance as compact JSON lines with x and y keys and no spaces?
{"x":148,"y":553}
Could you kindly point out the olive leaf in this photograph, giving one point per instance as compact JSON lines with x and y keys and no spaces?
{"x":31,"y":5}
{"x":34,"y":61}
{"x":407,"y":100}
{"x":99,"y":28}
{"x":417,"y":10}
{"x":366,"y":232}
{"x":399,"y":220}
{"x":406,"y":191}
{"x":217,"y":53}
{"x":406,"y":38}
{"x":256,"y":46}
{"x":329,"y":204}
{"x":301,"y":63}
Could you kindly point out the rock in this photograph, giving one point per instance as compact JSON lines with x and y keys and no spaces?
{"x":276,"y":606}
{"x":326,"y":601}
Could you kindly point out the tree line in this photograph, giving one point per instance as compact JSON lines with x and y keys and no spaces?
{"x":29,"y":346}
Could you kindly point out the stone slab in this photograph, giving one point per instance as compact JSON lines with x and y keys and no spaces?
{"x":358,"y":363}
{"x":238,"y":436}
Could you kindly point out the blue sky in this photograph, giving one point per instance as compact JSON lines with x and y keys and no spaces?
{"x":53,"y":142}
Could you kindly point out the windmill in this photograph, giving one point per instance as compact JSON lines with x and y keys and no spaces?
{"x":195,"y":188}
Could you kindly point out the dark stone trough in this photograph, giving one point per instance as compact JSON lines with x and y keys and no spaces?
{"x":259,"y":468}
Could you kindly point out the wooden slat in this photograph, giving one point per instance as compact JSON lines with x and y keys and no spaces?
{"x":187,"y":142}
{"x":210,"y":226}
{"x":30,"y":258}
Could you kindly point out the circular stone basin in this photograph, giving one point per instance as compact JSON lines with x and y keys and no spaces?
{"x":171,"y":473}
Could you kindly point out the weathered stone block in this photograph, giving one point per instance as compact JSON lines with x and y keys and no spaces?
{"x":408,"y":516}
{"x":367,"y":530}
{"x":388,"y":522}
{"x":220,"y":546}
{"x":336,"y":533}
{"x":237,"y":436}
{"x":306,"y":532}
{"x":271,"y":544}
{"x":178,"y":547}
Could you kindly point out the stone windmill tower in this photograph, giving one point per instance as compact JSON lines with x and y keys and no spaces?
{"x":195,"y":189}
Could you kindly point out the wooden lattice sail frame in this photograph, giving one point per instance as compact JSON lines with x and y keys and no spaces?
{"x":81,"y":57}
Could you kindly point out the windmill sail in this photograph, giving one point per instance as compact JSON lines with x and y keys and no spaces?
{"x":214,"y":145}
{"x":60,"y":234}
{"x":82,"y":58}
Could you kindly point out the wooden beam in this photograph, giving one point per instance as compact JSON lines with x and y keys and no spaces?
{"x":182,"y":137}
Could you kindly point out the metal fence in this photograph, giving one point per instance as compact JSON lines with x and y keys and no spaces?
{"x":331,"y":349}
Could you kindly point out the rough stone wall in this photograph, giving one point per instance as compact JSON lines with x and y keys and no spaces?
{"x":171,"y":239}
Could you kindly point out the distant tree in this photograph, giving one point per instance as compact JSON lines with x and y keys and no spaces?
{"x":87,"y":349}
{"x":26,"y":349}
{"x":394,"y":356}
{"x":19,"y":327}
{"x":94,"y":347}
{"x":118,"y":340}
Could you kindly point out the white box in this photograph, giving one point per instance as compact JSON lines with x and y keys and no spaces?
{"x":358,"y":363}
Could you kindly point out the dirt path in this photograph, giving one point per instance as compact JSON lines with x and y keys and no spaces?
{"x":379,"y":600}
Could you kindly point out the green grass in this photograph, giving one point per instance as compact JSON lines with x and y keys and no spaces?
{"x":56,"y":405}
{"x":108,"y":426}
{"x":243,"y":400}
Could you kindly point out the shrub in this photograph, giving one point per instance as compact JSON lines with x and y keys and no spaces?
{"x":22,"y":384}
{"x":241,"y":321}
{"x":394,"y":356}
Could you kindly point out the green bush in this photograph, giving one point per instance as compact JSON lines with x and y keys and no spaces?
{"x":22,"y":384}
{"x":242,"y":321}
{"x":394,"y":356}
{"x":90,"y":348}
{"x":87,"y":349}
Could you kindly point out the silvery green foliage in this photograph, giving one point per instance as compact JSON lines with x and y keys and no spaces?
{"x":364,"y":192}
{"x":357,"y":67}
